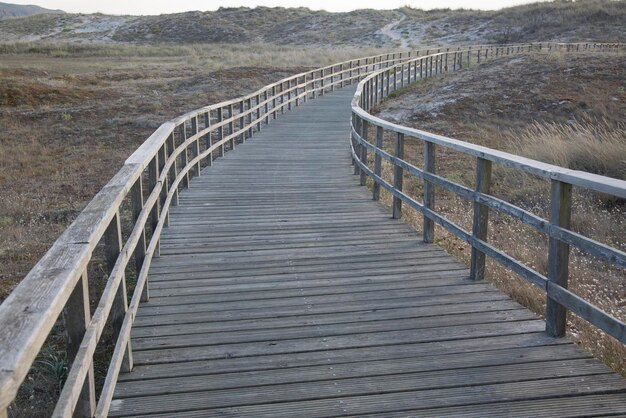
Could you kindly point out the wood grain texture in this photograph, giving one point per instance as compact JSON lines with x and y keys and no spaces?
{"x":283,"y":289}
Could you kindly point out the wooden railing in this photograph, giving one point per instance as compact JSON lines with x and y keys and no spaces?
{"x":148,"y":183}
{"x":377,"y":86}
{"x":57,"y":289}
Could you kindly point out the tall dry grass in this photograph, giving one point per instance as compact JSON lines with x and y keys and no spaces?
{"x":213,"y":56}
{"x":597,"y":147}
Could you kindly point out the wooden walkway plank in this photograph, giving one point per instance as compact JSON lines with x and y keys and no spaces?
{"x":283,"y":290}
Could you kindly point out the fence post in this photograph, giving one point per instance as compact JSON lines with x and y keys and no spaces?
{"x":162,"y":156}
{"x":76,"y":318}
{"x":250,"y":125}
{"x":136,"y":195}
{"x":231,"y":126}
{"x":173,"y":168}
{"x":341,"y":75}
{"x":395,"y":78}
{"x":377,"y":162}
{"x":397,"y":176}
{"x":481,"y":218}
{"x":242,"y":121}
{"x":182,"y":132}
{"x":558,"y":256}
{"x":363,"y":178}
{"x":220,"y":131}
{"x":266,"y":107}
{"x":207,"y":137}
{"x":357,"y":149}
{"x":388,"y":74}
{"x":195,"y":147}
{"x":429,"y":192}
{"x":112,"y":247}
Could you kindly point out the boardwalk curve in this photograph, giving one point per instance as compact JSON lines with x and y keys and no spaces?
{"x":271,"y":284}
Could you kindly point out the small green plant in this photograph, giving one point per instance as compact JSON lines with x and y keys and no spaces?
{"x":67,"y":29}
{"x":53,"y":365}
{"x":66,"y":117}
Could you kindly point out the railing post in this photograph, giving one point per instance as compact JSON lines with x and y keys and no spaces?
{"x":274,"y":116}
{"x":395,"y":78}
{"x":341,"y":75}
{"x":421,"y":68}
{"x":136,"y":194}
{"x":195,"y":147}
{"x":377,"y":162}
{"x":258,"y":113}
{"x":377,"y":87}
{"x":76,"y":318}
{"x":397,"y":176}
{"x":153,"y":179}
{"x":363,"y":177}
{"x":558,"y":256}
{"x":249,"y":105}
{"x":408,"y":68}
{"x":429,"y":191}
{"x":231,"y":126}
{"x":357,"y":146}
{"x":207,"y":138}
{"x":162,"y":155}
{"x":182,"y":132}
{"x":171,"y":147}
{"x":282,"y":96}
{"x":266,"y":107}
{"x":242,"y":122}
{"x":220,"y":131}
{"x":387,"y":73}
{"x":350,"y":74}
{"x":322,"y":82}
{"x":112,"y":247}
{"x":481,"y":218}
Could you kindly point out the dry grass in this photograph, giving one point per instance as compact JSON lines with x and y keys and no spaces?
{"x":560,"y":109}
{"x":69,"y":124}
{"x":597,"y":147}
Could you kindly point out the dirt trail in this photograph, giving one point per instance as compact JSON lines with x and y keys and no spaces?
{"x":391,"y":30}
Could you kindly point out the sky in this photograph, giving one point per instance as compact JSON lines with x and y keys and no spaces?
{"x":153,"y":7}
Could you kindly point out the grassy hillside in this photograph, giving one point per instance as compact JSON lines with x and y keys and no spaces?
{"x":590,"y":20}
{"x":8,"y":10}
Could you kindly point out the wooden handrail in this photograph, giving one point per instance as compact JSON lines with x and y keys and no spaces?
{"x":377,"y":86}
{"x":168,"y":159}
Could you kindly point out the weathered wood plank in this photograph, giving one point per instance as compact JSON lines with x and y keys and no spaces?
{"x":292,"y":292}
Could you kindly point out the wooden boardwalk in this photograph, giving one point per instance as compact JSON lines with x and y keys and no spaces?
{"x":283,"y":290}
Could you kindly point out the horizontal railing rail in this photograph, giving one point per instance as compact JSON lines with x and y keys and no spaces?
{"x":377,"y":86}
{"x":143,"y":190}
{"x":148,"y":183}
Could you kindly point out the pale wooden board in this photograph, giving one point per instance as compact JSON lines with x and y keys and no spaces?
{"x":282,"y":289}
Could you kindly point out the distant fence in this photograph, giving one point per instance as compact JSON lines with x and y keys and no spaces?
{"x":378,"y":85}
{"x":149,"y":183}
